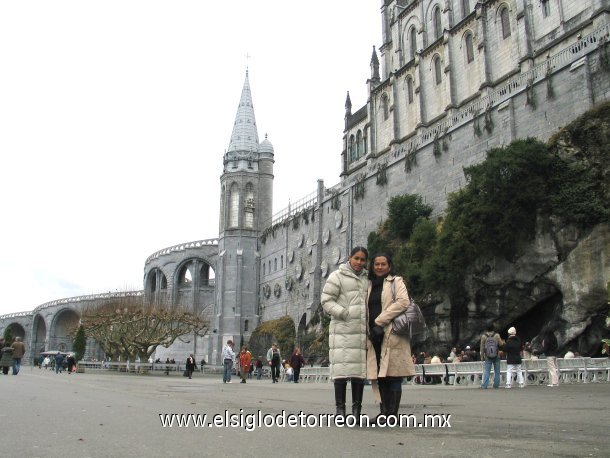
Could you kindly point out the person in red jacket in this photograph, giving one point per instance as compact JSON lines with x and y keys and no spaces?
{"x":245,"y":358}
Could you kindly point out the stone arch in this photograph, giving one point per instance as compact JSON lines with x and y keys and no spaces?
{"x":39,"y":335}
{"x":155,"y":281}
{"x":17,"y":330}
{"x":194,"y":285}
{"x":64,"y":323}
{"x":195,"y":272}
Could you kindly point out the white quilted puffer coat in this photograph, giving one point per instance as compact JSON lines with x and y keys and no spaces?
{"x":344,"y":299}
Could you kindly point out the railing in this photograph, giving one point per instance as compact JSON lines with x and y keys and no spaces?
{"x":535,"y":372}
{"x":305,"y":202}
{"x":90,"y":297}
{"x":182,"y":247}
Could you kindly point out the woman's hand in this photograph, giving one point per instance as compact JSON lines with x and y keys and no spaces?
{"x":377,"y":333}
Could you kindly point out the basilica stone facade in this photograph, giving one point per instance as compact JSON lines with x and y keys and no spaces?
{"x":451,"y":79}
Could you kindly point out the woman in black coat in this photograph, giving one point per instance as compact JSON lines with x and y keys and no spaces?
{"x":512,"y":348}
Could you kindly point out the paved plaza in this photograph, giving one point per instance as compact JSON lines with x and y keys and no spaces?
{"x":105,"y":414}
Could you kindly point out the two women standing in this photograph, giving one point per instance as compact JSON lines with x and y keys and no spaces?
{"x":361,"y":343}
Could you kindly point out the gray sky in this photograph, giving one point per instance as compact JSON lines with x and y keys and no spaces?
{"x":114,"y":116}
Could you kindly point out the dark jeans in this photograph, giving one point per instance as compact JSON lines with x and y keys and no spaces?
{"x":227,"y":373}
{"x":297,"y":373}
{"x":275,"y":371}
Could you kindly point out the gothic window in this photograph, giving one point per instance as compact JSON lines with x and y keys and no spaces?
{"x":359,"y":146}
{"x":246,"y":325}
{"x":234,"y":206}
{"x":352,"y":149}
{"x":505,"y":20}
{"x":264,"y":269}
{"x":275,"y":264}
{"x":546,"y":8}
{"x":437,"y":70}
{"x":469,"y":48}
{"x":385,"y":104}
{"x":438,"y":27}
{"x":364,"y":144}
{"x":269,"y":265}
{"x":249,"y":207}
{"x":410,"y":89}
{"x":281,"y":261}
{"x":413,"y":41}
{"x":465,"y":8}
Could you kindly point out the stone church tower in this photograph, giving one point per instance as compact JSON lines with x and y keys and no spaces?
{"x":245,"y":210}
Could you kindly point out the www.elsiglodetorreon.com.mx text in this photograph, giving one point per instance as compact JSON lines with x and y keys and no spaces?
{"x":252,"y":421}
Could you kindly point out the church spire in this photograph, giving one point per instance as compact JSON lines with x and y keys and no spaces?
{"x":244,"y":138}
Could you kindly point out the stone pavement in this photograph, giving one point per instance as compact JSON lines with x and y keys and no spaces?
{"x":102,"y":415}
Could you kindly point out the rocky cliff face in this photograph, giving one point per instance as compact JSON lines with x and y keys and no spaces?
{"x":559,"y":281}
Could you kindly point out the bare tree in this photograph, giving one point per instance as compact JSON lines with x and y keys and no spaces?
{"x":129,"y":328}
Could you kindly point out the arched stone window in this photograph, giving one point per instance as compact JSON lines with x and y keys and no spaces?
{"x":275,"y":265}
{"x":281,"y":261}
{"x":438,"y":25}
{"x":409,"y":89}
{"x":505,"y":21}
{"x":413,"y":42}
{"x":351,"y":148}
{"x":234,"y":206}
{"x":264,"y":269}
{"x":437,"y":70}
{"x":546,"y":8}
{"x":249,"y":207}
{"x":246,"y":324}
{"x":469,"y":48}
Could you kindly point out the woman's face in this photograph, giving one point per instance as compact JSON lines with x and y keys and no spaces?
{"x":357,"y":261}
{"x":381,"y":266}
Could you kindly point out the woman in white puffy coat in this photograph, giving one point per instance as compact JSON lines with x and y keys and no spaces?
{"x":344,"y":299}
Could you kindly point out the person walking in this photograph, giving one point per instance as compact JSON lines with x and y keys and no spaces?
{"x":344,"y":299}
{"x":388,"y":355}
{"x":190,"y":366}
{"x":245,"y":359}
{"x":490,"y":352}
{"x":258,"y":367}
{"x":59,"y":362}
{"x":18,"y":352}
{"x":297,"y":362}
{"x":6,"y":360}
{"x":512,"y":348}
{"x":274,"y":358}
{"x":228,"y":358}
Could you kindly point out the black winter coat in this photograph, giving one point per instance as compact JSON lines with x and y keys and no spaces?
{"x":512,"y":348}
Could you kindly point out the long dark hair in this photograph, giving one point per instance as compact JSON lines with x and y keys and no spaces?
{"x":372,"y":262}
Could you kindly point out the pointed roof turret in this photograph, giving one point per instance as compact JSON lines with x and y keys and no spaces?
{"x":348,"y":105}
{"x":245,"y":135}
{"x":374,"y":66}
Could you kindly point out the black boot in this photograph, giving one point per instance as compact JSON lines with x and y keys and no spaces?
{"x":357,"y":392}
{"x":383,"y":393}
{"x":394,"y":398}
{"x":340,"y":387}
